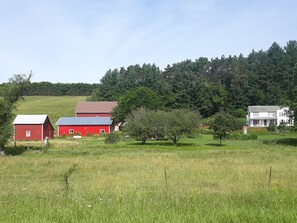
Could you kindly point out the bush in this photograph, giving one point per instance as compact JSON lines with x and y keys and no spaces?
{"x":271,"y":127}
{"x":205,"y":130}
{"x":112,"y":138}
{"x":237,"y":136}
{"x":88,"y":134}
{"x":63,"y":136}
{"x":258,"y":130}
{"x":254,"y":136}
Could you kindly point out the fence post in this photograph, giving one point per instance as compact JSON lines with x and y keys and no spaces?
{"x":165,"y":172}
{"x":269,"y":176}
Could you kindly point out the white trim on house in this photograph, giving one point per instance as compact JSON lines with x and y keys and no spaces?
{"x":263,"y":116}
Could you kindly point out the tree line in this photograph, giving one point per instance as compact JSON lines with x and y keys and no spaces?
{"x":225,"y":84}
{"x":56,"y":89}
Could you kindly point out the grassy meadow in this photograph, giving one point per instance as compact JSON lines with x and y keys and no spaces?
{"x":54,"y":106}
{"x":86,"y":180}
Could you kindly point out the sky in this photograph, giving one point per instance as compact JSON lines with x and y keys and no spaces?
{"x":77,"y":41}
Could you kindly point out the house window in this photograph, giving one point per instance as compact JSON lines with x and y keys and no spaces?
{"x":102,"y":131}
{"x":256,"y":114}
{"x":271,"y":114}
{"x":28,"y":133}
{"x":71,"y":131}
{"x":282,"y":114}
{"x":256,"y":122}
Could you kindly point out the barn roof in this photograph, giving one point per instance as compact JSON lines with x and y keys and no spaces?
{"x":30,"y":119}
{"x":84,"y":121}
{"x":263,"y":108}
{"x":95,"y":107}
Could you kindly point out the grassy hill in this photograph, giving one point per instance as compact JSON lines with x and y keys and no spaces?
{"x":54,"y":106}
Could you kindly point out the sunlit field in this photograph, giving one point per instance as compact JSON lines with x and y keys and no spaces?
{"x":86,"y":180}
{"x":54,"y":106}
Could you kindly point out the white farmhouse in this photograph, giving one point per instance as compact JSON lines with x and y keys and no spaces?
{"x":262,"y":116}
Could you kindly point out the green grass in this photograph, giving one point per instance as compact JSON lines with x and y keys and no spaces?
{"x":54,"y":107}
{"x":126,"y":182}
{"x":86,"y":180}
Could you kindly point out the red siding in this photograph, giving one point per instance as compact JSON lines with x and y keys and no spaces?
{"x":83,"y":130}
{"x":35,"y":132}
{"x":93,"y":115}
{"x":48,"y":130}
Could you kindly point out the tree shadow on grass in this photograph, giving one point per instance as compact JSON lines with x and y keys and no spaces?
{"x":15,"y":151}
{"x":287,"y":141}
{"x":161,"y":143}
{"x":215,"y":144}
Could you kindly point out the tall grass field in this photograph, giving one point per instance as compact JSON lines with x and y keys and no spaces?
{"x":86,"y":180}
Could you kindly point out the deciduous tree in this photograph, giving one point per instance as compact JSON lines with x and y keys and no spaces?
{"x":222,"y":125}
{"x":13,"y":92}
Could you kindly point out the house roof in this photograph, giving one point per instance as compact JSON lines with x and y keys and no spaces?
{"x":84,"y":121}
{"x":95,"y":107}
{"x":264,"y":108}
{"x":30,"y":119}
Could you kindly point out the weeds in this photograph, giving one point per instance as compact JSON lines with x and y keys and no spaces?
{"x":67,"y":175}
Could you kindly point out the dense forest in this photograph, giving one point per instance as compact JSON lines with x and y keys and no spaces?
{"x":227,"y":84}
{"x":57,"y":89}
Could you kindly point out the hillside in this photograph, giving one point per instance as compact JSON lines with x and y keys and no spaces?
{"x":53,"y":106}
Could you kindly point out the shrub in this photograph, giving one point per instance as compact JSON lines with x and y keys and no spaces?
{"x":258,"y":130}
{"x":271,"y":127}
{"x":207,"y":131}
{"x":112,"y":138}
{"x":88,"y":134}
{"x":63,"y":136}
{"x":237,"y":136}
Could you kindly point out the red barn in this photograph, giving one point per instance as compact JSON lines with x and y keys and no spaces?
{"x":84,"y":125}
{"x":95,"y":109}
{"x":32,"y":127}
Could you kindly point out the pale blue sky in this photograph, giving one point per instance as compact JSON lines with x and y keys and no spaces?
{"x":79,"y":40}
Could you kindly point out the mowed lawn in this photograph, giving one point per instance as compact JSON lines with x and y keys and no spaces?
{"x":197,"y":181}
{"x":54,"y":107}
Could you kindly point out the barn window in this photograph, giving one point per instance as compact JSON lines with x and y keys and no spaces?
{"x":28,"y":133}
{"x":102,"y":131}
{"x":71,"y":131}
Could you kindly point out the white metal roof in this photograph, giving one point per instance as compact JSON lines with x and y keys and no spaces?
{"x":263,"y":108}
{"x":84,"y":121}
{"x":30,"y":119}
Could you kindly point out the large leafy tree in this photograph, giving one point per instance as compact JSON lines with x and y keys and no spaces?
{"x":134,"y":99}
{"x":222,"y":125}
{"x":14,"y":91}
{"x":180,"y":122}
{"x":143,"y":124}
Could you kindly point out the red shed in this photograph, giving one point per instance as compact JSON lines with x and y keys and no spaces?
{"x":84,"y":125}
{"x":95,"y":108}
{"x":32,"y":127}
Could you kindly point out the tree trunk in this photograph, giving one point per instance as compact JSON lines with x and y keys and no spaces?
{"x":2,"y":153}
{"x":174,"y":139}
{"x":143,"y":140}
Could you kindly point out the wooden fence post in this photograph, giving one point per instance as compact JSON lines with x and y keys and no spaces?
{"x":165,"y":172}
{"x":269,"y":176}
